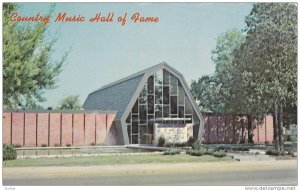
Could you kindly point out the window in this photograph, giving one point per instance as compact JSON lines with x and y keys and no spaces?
{"x":159,"y":77}
{"x":158,"y":111}
{"x":135,"y":108}
{"x":166,"y":97}
{"x":166,"y":111}
{"x":173,"y":84}
{"x":166,"y":77}
{"x":158,"y":94}
{"x":162,"y":96}
{"x":151,"y":104}
{"x":181,"y":95}
{"x":181,"y":112}
{"x":150,"y":85}
{"x":173,"y":104}
{"x":143,"y":114}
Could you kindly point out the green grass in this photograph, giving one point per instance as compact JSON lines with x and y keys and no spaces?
{"x":111,"y":160}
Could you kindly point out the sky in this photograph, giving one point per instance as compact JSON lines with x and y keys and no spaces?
{"x":102,"y":53}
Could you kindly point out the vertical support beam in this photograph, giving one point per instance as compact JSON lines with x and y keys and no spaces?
{"x":11,"y":131}
{"x":49,"y":129}
{"x":265,"y":128}
{"x":36,"y":129}
{"x":60,"y":138}
{"x":217,"y":128}
{"x":106,"y":122}
{"x":24,"y":129}
{"x":208,"y":129}
{"x":257,"y":127}
{"x":95,"y":128}
{"x":84,"y":128}
{"x":73,"y":128}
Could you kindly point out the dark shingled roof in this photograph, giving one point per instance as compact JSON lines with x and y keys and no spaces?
{"x":113,"y":97}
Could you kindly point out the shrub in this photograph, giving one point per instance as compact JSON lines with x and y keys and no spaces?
{"x":183,"y":144}
{"x":196,"y":145}
{"x":210,"y":152}
{"x":17,"y":146}
{"x":161,"y":141}
{"x":199,"y":152}
{"x":9,"y":153}
{"x":219,"y":154}
{"x":93,"y":144}
{"x":190,"y":141}
{"x":293,"y":138}
{"x":168,"y":144}
{"x":272,"y":152}
{"x":68,"y":145}
{"x":44,"y":145}
{"x":171,"y":152}
{"x":56,"y":145}
{"x":291,"y":153}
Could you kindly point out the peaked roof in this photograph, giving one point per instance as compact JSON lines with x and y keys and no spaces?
{"x":119,"y":94}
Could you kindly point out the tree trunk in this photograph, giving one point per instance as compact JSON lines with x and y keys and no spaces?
{"x":275,"y":127}
{"x":250,"y":129}
{"x":280,"y":128}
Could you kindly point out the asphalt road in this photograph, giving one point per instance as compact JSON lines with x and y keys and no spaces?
{"x":212,"y":174}
{"x":243,"y":178}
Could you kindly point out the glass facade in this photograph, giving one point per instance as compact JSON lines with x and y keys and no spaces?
{"x":162,"y":97}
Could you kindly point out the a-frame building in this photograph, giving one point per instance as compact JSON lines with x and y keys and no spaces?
{"x":151,"y":103}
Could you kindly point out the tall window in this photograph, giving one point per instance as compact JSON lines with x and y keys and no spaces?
{"x":161,"y":97}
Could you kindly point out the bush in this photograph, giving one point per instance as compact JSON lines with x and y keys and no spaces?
{"x":183,"y":144}
{"x":168,"y":144}
{"x":210,"y":152}
{"x":219,"y":154}
{"x":172,"y":152}
{"x":68,"y":145}
{"x":291,"y":153}
{"x":44,"y":145}
{"x":92,"y":144}
{"x":196,"y":145}
{"x":56,"y":145}
{"x":293,"y":138}
{"x":231,"y":148}
{"x":17,"y":146}
{"x":199,"y":152}
{"x":161,"y":141}
{"x":272,"y":152}
{"x":9,"y":153}
{"x":190,"y":141}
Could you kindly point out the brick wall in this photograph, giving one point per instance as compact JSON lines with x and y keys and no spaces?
{"x":57,"y":128}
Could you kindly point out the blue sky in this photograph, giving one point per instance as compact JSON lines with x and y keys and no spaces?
{"x":105,"y":52}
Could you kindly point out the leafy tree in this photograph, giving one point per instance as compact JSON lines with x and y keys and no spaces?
{"x":218,"y":93}
{"x":222,"y":92}
{"x":70,"y":102}
{"x":27,"y":66}
{"x":268,"y":61}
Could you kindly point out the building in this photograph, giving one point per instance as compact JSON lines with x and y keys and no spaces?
{"x":151,"y":103}
{"x":135,"y":110}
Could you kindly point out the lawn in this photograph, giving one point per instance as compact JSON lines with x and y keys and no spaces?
{"x":112,"y":159}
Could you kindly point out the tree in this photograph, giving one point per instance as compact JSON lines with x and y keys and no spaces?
{"x":27,"y":66}
{"x":222,"y":92}
{"x":205,"y":91}
{"x":70,"y":102}
{"x":218,"y":93}
{"x":267,"y":61}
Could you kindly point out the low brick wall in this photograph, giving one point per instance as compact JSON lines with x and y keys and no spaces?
{"x":226,"y":129}
{"x":52,"y":128}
